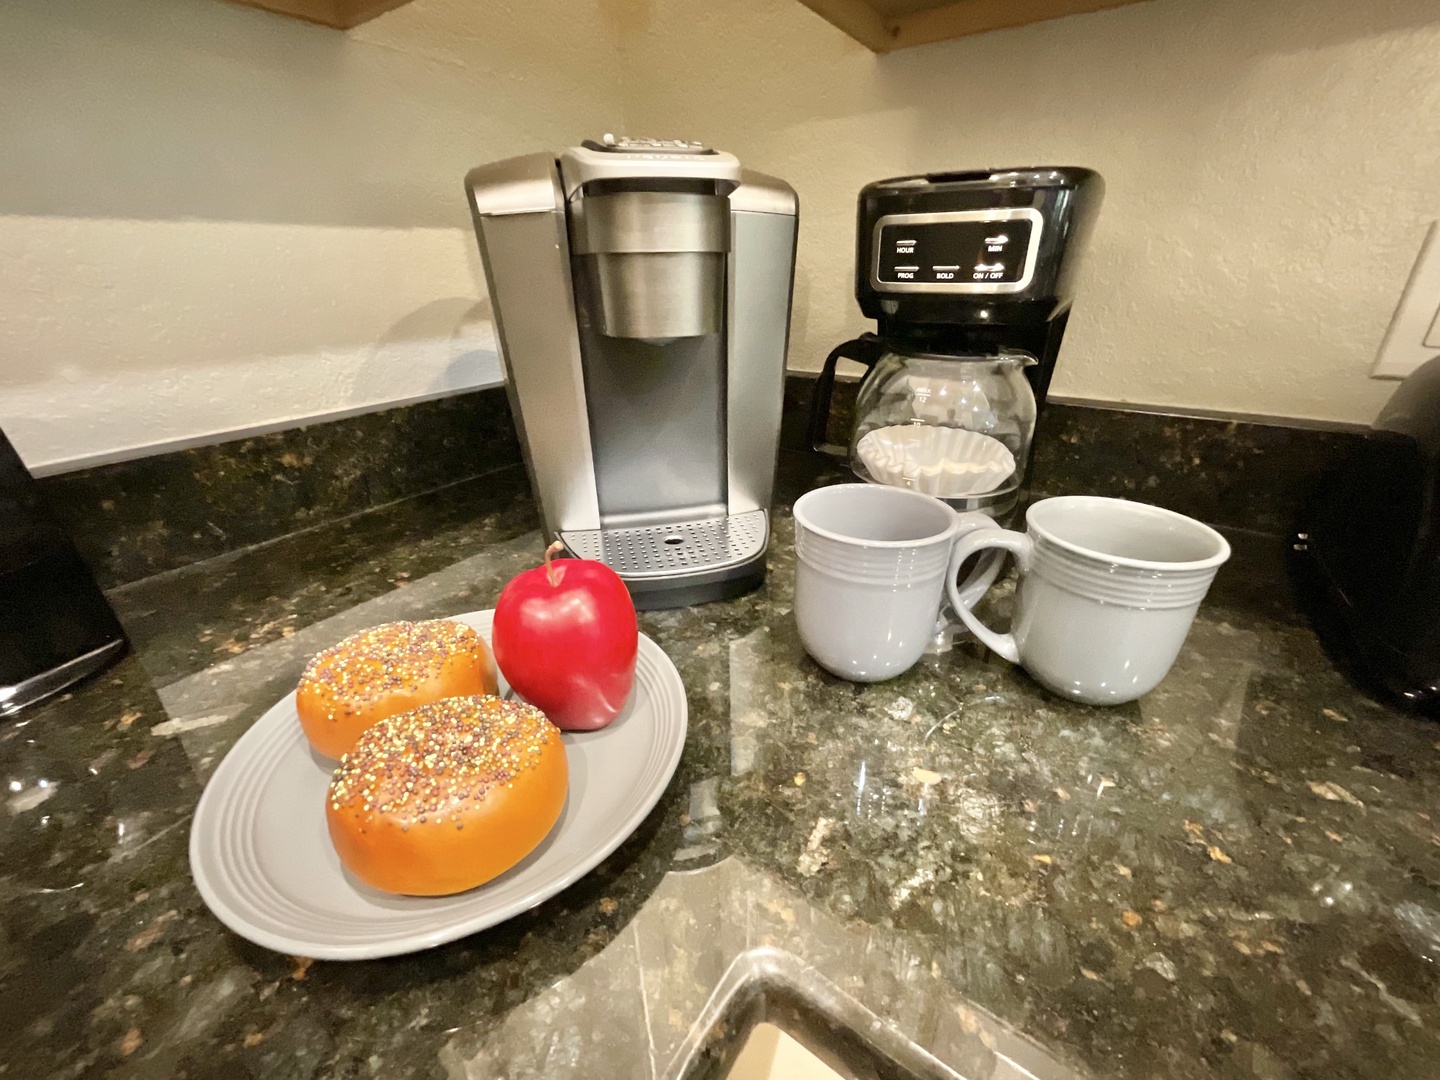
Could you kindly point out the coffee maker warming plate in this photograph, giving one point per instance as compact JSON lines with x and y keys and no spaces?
{"x":666,"y":550}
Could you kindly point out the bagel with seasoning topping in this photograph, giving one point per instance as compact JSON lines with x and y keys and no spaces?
{"x":445,"y":797}
{"x":386,"y":670}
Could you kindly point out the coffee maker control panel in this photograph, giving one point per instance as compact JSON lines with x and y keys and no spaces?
{"x":964,"y":251}
{"x":622,"y":144}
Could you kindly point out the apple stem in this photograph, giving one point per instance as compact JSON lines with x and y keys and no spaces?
{"x":550,"y":552}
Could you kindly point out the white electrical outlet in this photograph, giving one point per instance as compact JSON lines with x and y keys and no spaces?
{"x":1414,"y":334}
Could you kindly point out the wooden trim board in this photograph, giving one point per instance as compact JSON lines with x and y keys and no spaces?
{"x":961,"y":18}
{"x":338,"y":14}
{"x":856,"y":18}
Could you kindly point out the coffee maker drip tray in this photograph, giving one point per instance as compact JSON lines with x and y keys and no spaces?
{"x":655,"y":551}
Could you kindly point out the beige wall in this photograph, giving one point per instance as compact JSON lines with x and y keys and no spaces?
{"x":1271,"y":166}
{"x":216,"y":219}
{"x":213,"y":219}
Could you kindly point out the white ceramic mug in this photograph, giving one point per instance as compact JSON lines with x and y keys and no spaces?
{"x":871,"y":565}
{"x":1108,"y":590}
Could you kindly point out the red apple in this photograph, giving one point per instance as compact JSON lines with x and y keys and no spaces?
{"x":565,"y":638}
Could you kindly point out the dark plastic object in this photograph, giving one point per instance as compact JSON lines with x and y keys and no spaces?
{"x":56,"y":627}
{"x":1366,"y":554}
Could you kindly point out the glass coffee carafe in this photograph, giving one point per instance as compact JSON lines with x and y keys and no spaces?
{"x":956,"y":427}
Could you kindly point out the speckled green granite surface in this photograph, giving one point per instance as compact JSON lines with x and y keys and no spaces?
{"x":134,"y":519}
{"x":137,"y":518}
{"x":1237,"y":876}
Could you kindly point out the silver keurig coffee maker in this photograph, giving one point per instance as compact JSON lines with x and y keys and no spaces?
{"x":641,"y":294}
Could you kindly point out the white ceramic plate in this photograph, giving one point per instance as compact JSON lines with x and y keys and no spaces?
{"x":263,"y":861}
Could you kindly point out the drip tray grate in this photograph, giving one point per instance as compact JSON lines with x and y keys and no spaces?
{"x":685,"y":548}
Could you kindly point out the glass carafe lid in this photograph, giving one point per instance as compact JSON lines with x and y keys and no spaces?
{"x":956,"y":427}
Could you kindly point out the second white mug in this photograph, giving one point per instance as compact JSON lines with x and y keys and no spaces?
{"x":1108,"y":590}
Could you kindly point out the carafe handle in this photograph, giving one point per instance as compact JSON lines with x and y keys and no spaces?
{"x":866,"y":349}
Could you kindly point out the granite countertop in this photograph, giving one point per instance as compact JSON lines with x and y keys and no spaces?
{"x":1236,"y":876}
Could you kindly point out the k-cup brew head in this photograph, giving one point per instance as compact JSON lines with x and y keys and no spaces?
{"x":658,"y":261}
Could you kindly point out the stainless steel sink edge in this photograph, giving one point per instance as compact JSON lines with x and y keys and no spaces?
{"x":767,"y":983}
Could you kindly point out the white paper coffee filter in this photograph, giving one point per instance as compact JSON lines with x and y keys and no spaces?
{"x":949,"y":463}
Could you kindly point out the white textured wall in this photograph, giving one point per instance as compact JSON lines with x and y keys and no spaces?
{"x":215,"y":219}
{"x":1271,"y":166}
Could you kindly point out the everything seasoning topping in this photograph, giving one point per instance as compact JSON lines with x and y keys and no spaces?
{"x":426,"y":764}
{"x":384,"y":659}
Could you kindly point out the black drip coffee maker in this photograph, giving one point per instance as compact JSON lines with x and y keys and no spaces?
{"x":969,"y":277}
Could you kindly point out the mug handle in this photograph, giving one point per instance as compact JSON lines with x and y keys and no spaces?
{"x":1019,"y":545}
{"x":986,"y":571}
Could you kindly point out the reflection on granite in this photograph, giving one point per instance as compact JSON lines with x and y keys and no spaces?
{"x":141,"y":517}
{"x":1236,"y":876}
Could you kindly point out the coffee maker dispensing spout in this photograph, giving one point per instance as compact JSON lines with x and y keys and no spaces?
{"x":641,"y":294}
{"x":655,"y":260}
